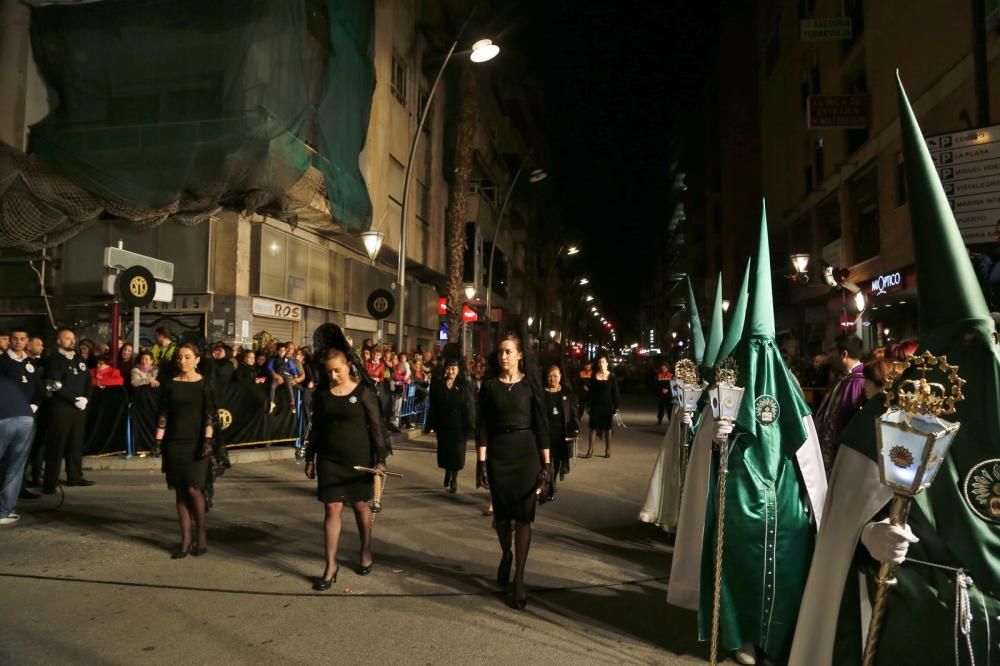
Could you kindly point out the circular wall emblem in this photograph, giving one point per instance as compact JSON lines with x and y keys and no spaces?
{"x":981,"y":490}
{"x":766,"y":409}
{"x":381,"y":303}
{"x":225,"y":418}
{"x":137,"y":286}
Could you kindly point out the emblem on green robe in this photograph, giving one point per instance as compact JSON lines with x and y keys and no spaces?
{"x":981,"y":490}
{"x":766,"y":410}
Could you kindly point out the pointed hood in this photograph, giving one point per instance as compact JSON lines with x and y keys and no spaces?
{"x":735,"y":331}
{"x":949,"y":291}
{"x":714,"y":335}
{"x":697,"y":335}
{"x":760,"y":322}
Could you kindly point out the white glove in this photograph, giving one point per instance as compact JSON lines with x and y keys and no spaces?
{"x":34,"y":408}
{"x":687,"y":418}
{"x":722,"y":430}
{"x":81,"y":403}
{"x":887,"y":543}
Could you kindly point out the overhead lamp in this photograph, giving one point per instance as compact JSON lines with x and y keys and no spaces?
{"x":572,"y":249}
{"x":673,"y":334}
{"x":470,"y":291}
{"x":484,"y":50}
{"x":800,"y":261}
{"x":584,"y":282}
{"x":531,"y":320}
{"x":725,"y":305}
{"x":373,"y":243}
{"x":537,"y":175}
{"x":552,"y":334}
{"x":859,"y":301}
{"x":589,"y":298}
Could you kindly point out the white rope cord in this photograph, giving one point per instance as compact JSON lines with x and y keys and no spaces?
{"x":963,"y":609}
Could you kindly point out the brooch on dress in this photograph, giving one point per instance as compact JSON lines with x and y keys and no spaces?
{"x":353,"y":399}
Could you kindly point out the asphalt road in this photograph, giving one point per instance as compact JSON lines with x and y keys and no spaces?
{"x":88,"y":579}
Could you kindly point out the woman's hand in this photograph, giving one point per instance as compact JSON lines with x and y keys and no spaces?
{"x":310,"y":471}
{"x":381,"y":468}
{"x":154,"y":383}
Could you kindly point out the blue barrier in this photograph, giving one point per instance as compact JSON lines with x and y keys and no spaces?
{"x":414,"y":407}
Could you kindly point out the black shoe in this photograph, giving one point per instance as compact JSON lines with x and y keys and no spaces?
{"x":659,"y":423}
{"x":48,"y":491}
{"x":447,"y":479}
{"x":26,"y":494}
{"x":364,"y":571}
{"x":181,"y":553}
{"x":82,"y":483}
{"x":34,"y":483}
{"x":562,"y":474}
{"x":453,"y":487}
{"x":503,"y":571}
{"x":520,"y":602}
{"x":198,"y":552}
{"x":324,"y":584}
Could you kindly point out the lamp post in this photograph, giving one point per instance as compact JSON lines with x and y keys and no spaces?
{"x":482,"y":51}
{"x":913,"y":442}
{"x":537,"y":175}
{"x":571,"y":250}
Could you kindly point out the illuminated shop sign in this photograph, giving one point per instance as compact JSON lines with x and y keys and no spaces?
{"x":887,"y":282}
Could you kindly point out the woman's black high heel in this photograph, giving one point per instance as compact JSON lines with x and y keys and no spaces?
{"x":364,"y":571}
{"x":322,"y":584}
{"x":503,"y":571}
{"x":520,"y":603}
{"x":198,"y":552}
{"x":180,"y":553}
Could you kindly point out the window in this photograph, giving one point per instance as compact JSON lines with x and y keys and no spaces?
{"x":863,"y":193}
{"x":423,"y":99}
{"x":398,"y":85}
{"x":858,"y":85}
{"x":855,"y":9}
{"x":294,"y":270}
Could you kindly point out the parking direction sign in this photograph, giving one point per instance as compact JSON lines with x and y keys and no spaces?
{"x":968,"y":164}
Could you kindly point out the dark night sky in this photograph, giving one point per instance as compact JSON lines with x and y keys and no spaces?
{"x":616,"y":76}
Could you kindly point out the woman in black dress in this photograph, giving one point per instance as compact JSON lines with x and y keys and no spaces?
{"x":184,"y":436}
{"x":560,"y":407}
{"x":346,"y":431}
{"x":602,"y":398}
{"x":449,"y":414}
{"x":512,"y":443}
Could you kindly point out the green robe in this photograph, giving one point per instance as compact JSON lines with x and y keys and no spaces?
{"x":769,"y":531}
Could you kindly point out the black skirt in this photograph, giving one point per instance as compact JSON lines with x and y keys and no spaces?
{"x":451,"y":449}
{"x":512,"y":465}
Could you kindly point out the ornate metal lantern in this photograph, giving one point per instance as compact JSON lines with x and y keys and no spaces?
{"x":690,"y":384}
{"x":913,"y":441}
{"x":725,"y":394}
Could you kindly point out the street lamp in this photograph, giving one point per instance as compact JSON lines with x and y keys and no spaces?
{"x":589,"y":298}
{"x":801,"y":262}
{"x":531,"y":320}
{"x":482,"y":51}
{"x":570,"y":251}
{"x":583,"y":283}
{"x":373,"y":243}
{"x":537,"y":175}
{"x":859,"y":302}
{"x":725,"y":305}
{"x":470,"y":291}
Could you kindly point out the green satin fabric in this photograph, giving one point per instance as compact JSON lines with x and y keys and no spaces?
{"x":767,"y":546}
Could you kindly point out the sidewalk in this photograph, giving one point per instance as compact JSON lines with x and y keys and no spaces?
{"x":405,"y":440}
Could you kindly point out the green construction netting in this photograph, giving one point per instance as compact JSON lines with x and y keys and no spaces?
{"x":183,"y":106}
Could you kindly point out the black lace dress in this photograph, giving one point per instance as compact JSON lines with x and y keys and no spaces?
{"x":514,"y":429}
{"x":185,"y":409}
{"x":346,"y":431}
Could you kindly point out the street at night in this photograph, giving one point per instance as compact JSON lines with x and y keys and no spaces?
{"x":500,"y":332}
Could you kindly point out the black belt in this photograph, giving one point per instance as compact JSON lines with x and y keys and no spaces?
{"x":509,"y":429}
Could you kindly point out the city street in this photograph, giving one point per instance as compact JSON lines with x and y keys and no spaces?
{"x":90,"y":580}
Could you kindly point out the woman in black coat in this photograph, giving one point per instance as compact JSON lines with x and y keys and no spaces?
{"x":560,"y":408}
{"x":449,"y":414}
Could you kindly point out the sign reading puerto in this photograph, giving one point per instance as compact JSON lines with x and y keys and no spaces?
{"x":265,"y":307}
{"x":968,"y":164}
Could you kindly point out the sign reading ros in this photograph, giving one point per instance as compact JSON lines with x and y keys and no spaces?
{"x":268,"y":308}
{"x":884,"y":283}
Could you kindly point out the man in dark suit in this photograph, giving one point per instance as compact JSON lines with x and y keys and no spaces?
{"x":67,"y":377}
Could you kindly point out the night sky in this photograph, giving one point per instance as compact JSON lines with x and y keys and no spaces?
{"x":617,"y":76}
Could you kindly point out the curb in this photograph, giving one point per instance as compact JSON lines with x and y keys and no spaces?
{"x":407,"y":439}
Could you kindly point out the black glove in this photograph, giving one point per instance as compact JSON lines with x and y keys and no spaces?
{"x":545,"y":482}
{"x":157,"y":448}
{"x":482,"y":478}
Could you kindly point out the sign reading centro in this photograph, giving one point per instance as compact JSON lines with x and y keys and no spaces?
{"x":887,"y":282}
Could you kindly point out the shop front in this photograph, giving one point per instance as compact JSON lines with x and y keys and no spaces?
{"x":274,"y":321}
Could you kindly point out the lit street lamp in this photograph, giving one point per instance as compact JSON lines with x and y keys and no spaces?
{"x":470,"y":291}
{"x":482,"y":51}
{"x":373,"y":243}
